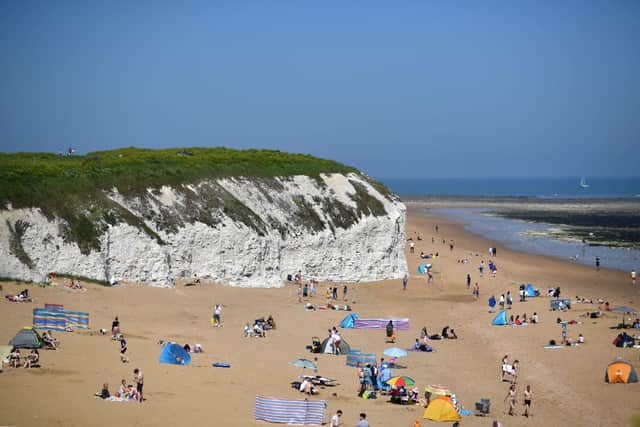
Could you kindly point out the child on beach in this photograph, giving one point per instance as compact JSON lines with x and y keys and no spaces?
{"x":217,"y":312}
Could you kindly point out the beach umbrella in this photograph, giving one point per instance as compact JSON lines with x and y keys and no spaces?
{"x":304,"y":363}
{"x":395,"y":352}
{"x":624,"y":310}
{"x":401,"y":381}
{"x":437,"y":390}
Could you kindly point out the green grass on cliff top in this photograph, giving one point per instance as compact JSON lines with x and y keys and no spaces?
{"x":31,"y":179}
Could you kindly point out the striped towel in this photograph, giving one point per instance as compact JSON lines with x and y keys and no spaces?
{"x":274,"y":410}
{"x":398,"y":324}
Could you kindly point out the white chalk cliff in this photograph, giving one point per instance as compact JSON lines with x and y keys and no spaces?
{"x":336,"y":227}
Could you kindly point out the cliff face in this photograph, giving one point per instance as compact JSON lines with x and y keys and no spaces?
{"x":238,"y":231}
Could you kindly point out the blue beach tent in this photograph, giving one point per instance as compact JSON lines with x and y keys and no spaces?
{"x":348,"y":322}
{"x":422,"y":268}
{"x":500,"y":319}
{"x":531,"y":290}
{"x":173,"y":354}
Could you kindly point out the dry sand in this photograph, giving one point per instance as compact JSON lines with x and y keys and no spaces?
{"x":568,"y":384}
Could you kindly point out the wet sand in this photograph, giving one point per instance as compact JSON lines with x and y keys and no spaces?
{"x":568,"y":384}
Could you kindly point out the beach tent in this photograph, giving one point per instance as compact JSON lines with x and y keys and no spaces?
{"x":285,"y":411}
{"x":327,"y":348}
{"x":620,"y":371}
{"x":26,"y":337}
{"x":500,"y":319}
{"x":441,"y":409}
{"x":174,"y":354}
{"x":422,"y":268}
{"x":531,"y":290}
{"x":349,"y":321}
{"x":354,"y":358}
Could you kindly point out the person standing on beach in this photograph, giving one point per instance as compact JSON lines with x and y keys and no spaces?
{"x":528,"y":395}
{"x":335,"y":420}
{"x":115,"y":327}
{"x":481,"y":268}
{"x":412,"y":247}
{"x":405,"y":280}
{"x":436,"y":228}
{"x":139,"y":380}
{"x":512,"y":397}
{"x":344,"y":293}
{"x":597,"y":263}
{"x":633,"y":277}
{"x":468,"y":281}
{"x":476,"y":292}
{"x":217,"y":312}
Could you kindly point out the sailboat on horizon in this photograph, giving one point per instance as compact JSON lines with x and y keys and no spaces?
{"x":583,"y":183}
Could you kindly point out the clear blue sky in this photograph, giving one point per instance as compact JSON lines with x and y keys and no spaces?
{"x":399,"y":89}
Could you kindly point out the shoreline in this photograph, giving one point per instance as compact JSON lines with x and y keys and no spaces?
{"x":523,"y":228}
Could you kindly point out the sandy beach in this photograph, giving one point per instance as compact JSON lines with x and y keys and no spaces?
{"x":568,"y":383}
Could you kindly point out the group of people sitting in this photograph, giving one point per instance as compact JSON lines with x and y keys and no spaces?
{"x":260,"y":327}
{"x":125,"y":392}
{"x":31,"y":360}
{"x":75,"y":285}
{"x":402,"y":395}
{"x":23,"y":296}
{"x":523,"y":320}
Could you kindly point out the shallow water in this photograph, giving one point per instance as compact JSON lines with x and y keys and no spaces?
{"x":530,"y":237}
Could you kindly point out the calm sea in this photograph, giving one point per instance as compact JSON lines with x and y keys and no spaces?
{"x":523,"y":235}
{"x":517,"y":187}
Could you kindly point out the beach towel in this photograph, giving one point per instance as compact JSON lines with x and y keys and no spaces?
{"x":553,"y":347}
{"x":285,"y":411}
{"x":220,"y":365}
{"x":429,"y":350}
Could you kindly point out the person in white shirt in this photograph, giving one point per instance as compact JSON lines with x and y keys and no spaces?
{"x":335,"y":419}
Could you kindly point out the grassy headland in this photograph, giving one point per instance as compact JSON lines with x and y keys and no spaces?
{"x":74,"y":188}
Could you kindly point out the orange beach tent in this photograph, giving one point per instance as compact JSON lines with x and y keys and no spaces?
{"x":620,"y":371}
{"x":441,"y":409}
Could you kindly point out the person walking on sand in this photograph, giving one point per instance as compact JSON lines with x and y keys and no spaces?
{"x":512,"y":397}
{"x":405,"y":280}
{"x":597,"y":263}
{"x":476,"y":292}
{"x":468,"y":281}
{"x":335,"y":419}
{"x":217,"y":312}
{"x":138,"y":378}
{"x":115,"y":327}
{"x":345,"y":289}
{"x":412,"y":248}
{"x":633,"y":277}
{"x":528,"y":395}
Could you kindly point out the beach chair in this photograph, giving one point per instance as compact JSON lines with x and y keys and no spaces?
{"x":482,"y":407}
